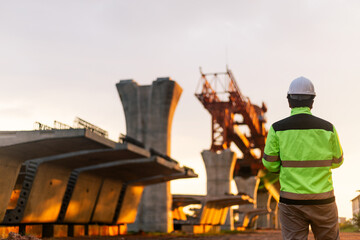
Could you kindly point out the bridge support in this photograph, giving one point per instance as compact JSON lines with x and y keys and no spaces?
{"x":248,"y":186}
{"x":149,"y":111}
{"x":219,"y":171}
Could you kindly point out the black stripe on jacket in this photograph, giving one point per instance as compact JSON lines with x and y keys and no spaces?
{"x":302,"y":121}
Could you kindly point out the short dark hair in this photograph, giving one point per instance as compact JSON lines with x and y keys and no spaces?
{"x":293,"y":103}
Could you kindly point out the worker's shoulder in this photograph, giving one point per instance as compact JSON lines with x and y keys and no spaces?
{"x":302,"y":122}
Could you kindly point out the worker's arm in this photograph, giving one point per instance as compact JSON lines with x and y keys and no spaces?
{"x":271,"y":159}
{"x":338,"y":158}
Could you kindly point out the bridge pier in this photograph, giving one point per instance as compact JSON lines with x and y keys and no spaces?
{"x":219,"y":171}
{"x":248,"y":186}
{"x":149,"y":111}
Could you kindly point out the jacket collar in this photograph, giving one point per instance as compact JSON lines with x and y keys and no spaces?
{"x":300,"y":110}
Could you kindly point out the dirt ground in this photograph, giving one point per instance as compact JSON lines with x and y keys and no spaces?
{"x":256,"y":235}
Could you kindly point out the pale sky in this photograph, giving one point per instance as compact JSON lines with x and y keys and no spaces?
{"x":62,"y":59}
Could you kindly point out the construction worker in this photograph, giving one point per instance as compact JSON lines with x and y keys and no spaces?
{"x":303,"y":149}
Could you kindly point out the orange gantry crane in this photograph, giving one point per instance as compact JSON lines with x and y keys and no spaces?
{"x":231,"y":111}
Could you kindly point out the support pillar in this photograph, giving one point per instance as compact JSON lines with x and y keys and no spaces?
{"x":248,"y":186}
{"x":149,"y":111}
{"x":219,"y":171}
{"x":262,"y":202}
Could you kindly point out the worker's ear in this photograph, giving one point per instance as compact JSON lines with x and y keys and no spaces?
{"x":311,"y":105}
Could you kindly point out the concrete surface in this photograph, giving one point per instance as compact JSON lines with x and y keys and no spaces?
{"x":17,"y":147}
{"x":107,"y":201}
{"x":41,"y":201}
{"x":219,"y":171}
{"x":48,"y":187}
{"x":130,"y":204}
{"x":83,"y":198}
{"x":248,"y":186}
{"x":149,"y":111}
{"x":99,"y":186}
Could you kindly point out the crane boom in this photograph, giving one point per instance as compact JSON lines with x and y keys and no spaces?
{"x":224,"y":104}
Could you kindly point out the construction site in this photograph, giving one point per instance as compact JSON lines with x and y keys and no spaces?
{"x":67,"y":181}
{"x":139,"y":119}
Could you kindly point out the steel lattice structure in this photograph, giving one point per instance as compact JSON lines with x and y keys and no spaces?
{"x":222,"y":97}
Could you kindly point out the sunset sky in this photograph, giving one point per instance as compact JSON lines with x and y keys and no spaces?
{"x":62,"y":59}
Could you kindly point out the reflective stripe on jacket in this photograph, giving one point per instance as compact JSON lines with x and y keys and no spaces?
{"x":304,"y":149}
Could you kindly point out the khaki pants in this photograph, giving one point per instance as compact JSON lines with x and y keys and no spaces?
{"x":295,"y":221}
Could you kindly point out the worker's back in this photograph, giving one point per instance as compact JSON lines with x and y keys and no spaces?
{"x":306,"y":146}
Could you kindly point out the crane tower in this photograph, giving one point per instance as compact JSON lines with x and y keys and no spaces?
{"x":230,"y":111}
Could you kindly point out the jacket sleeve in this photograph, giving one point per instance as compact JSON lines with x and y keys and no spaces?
{"x":271,"y":159}
{"x":338,"y":158}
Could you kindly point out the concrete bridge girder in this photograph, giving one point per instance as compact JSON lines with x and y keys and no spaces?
{"x":100,"y":173}
{"x":50,"y":176}
{"x":16,"y":147}
{"x":130,"y":176}
{"x":214,"y":209}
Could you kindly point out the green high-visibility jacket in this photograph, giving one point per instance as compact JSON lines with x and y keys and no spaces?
{"x":303,"y":149}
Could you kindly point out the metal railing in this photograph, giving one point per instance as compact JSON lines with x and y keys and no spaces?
{"x":78,"y":123}
{"x":60,"y":125}
{"x":41,"y":127}
{"x":81,"y":123}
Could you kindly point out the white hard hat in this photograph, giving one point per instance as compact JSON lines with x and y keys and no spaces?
{"x":301,"y":86}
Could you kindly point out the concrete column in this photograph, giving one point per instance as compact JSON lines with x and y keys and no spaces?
{"x":149,"y":111}
{"x":219,"y":171}
{"x":262,"y":202}
{"x":248,"y":186}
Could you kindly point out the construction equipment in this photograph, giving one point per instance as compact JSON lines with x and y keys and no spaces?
{"x":222,"y":97}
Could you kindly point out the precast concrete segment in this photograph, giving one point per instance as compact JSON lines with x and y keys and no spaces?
{"x":185,"y":200}
{"x":163,"y":178}
{"x":130,"y":205}
{"x":105,"y":207}
{"x":45,"y":197}
{"x":133,"y":172}
{"x":83,"y":198}
{"x":223,"y":215}
{"x":222,"y":201}
{"x":149,"y":111}
{"x":81,"y":159}
{"x":8,"y":172}
{"x":126,"y":171}
{"x":17,"y":147}
{"x":228,"y":201}
{"x":25,"y":145}
{"x":179,"y":214}
{"x":215,"y":209}
{"x":61,"y":166}
{"x":136,"y":171}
